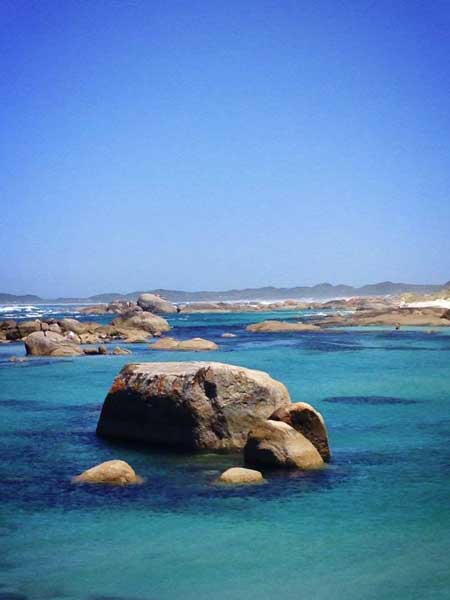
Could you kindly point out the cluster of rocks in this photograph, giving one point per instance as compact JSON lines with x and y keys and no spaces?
{"x":360,"y":316}
{"x":145,"y":303}
{"x":64,"y":337}
{"x":159,"y":305}
{"x":214,"y":406}
{"x":394,"y":316}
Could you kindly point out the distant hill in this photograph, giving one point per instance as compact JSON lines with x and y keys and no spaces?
{"x":321,"y":291}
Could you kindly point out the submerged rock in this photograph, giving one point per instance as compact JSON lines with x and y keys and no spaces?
{"x":277,"y":444}
{"x":49,"y":343}
{"x":193,"y":345}
{"x":118,"y":350}
{"x":239,"y":475}
{"x":228,"y":335}
{"x":112,"y":472}
{"x":155,"y":304}
{"x":280,"y":327}
{"x":309,"y":422}
{"x":189,"y":404}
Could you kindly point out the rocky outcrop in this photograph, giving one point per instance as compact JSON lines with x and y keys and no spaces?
{"x":49,"y":343}
{"x":189,"y":404}
{"x":308,"y":421}
{"x":192,"y":345}
{"x":144,"y":321}
{"x":394,"y":317}
{"x":111,"y":472}
{"x":278,"y":445}
{"x":280,"y":327}
{"x":155,"y":304}
{"x":240,"y":475}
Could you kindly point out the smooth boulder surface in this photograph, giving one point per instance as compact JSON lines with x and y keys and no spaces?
{"x":307,"y":420}
{"x":280,"y":327}
{"x":240,"y":475}
{"x":193,"y":345}
{"x":278,"y":445}
{"x":197,"y":405}
{"x":155,"y":304}
{"x":144,"y":321}
{"x":49,"y":343}
{"x":112,"y":472}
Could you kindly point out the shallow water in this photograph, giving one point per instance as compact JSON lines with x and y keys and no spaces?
{"x":373,"y":524}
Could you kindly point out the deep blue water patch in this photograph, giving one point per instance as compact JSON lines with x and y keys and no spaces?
{"x":375,"y":400}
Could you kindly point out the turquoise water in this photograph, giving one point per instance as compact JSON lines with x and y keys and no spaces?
{"x":374,"y":524}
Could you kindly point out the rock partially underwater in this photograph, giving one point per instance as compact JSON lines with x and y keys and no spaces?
{"x":240,"y":475}
{"x":192,"y":345}
{"x":214,"y":406}
{"x":111,"y":472}
{"x":276,"y":444}
{"x":281,"y":327}
{"x":197,"y":405}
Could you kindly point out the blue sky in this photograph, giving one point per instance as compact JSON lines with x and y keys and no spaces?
{"x":211,"y":145}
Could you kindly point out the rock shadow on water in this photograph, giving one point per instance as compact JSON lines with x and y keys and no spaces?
{"x":369,"y":400}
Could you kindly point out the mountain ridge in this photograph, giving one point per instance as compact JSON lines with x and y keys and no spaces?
{"x":320,"y":291}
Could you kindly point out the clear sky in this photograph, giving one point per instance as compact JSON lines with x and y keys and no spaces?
{"x":218,"y":144}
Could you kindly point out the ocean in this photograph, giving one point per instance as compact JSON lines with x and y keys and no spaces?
{"x":374,"y":524}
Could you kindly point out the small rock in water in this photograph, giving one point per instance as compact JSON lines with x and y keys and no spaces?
{"x":228,"y":335}
{"x":238,"y":475}
{"x":112,"y":472}
{"x":193,"y":345}
{"x":119,"y":350}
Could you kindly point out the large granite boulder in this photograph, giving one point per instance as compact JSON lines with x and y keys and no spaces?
{"x":308,"y":421}
{"x":281,"y":327}
{"x":189,"y":404}
{"x":50,"y":343}
{"x":155,"y":304}
{"x":192,"y":345}
{"x":144,"y":320}
{"x":27,"y":327}
{"x":112,"y":472}
{"x":239,"y":475}
{"x":277,"y":444}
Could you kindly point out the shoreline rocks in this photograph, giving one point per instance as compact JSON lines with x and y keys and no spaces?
{"x":394,"y":317}
{"x":196,"y":405}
